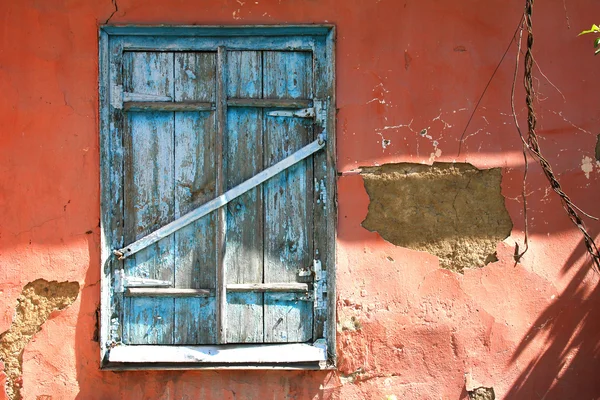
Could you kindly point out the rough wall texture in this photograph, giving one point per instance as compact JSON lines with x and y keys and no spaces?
{"x":482,"y":394}
{"x":453,"y":211}
{"x":37,"y":301}
{"x":409,"y":74}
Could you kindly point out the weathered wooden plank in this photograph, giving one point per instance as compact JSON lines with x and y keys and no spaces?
{"x":168,"y":106}
{"x":288,"y":199}
{"x":171,"y":292}
{"x":279,"y":353}
{"x":269,"y":103}
{"x":243,"y":257}
{"x":325,"y":199}
{"x":150,"y":320}
{"x":195,"y":77}
{"x":195,"y":174}
{"x":149,"y":193}
{"x":268,"y":287}
{"x":133,"y":43}
{"x":221,"y":166}
{"x":111,"y":184}
{"x":322,"y":194}
{"x":195,"y":312}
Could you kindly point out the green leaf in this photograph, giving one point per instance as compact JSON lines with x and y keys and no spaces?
{"x":595,"y":29}
{"x":597,"y":42}
{"x":596,"y":52}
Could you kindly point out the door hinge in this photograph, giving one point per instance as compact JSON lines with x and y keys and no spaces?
{"x":320,"y":285}
{"x":123,"y":281}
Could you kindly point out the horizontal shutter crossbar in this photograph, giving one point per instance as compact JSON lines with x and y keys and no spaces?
{"x":269,"y":103}
{"x":221,"y":200}
{"x":268,"y":287}
{"x":168,"y":292}
{"x":168,"y":106}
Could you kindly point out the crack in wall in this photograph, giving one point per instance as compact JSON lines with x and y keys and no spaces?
{"x":116,"y":6}
{"x":451,"y":210}
{"x":35,"y":304}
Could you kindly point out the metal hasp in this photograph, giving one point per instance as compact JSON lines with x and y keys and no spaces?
{"x":122,"y":282}
{"x":320,"y":286}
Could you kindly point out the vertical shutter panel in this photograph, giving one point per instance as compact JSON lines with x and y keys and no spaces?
{"x":149,"y":194}
{"x":323,"y":200}
{"x":244,"y":158}
{"x":195,"y":264}
{"x":288,"y":199}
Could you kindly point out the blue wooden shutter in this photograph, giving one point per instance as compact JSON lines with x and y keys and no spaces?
{"x":175,"y":152}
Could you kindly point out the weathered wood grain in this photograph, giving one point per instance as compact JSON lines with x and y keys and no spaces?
{"x":111,"y":178}
{"x":268,"y":287}
{"x":149,"y":320}
{"x":195,"y":175}
{"x":244,"y":153}
{"x":221,"y":166}
{"x":288,"y":200}
{"x":170,"y":292}
{"x":149,"y":193}
{"x":269,"y":103}
{"x":168,"y":106}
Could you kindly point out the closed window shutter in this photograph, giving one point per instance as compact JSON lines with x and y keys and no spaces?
{"x":175,"y":153}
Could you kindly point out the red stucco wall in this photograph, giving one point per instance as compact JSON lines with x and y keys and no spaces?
{"x":402,"y":66}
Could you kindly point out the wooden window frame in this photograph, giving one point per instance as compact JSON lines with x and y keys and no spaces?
{"x":114,"y":39}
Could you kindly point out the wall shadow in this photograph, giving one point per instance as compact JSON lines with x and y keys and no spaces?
{"x":568,"y":366}
{"x":95,"y":384}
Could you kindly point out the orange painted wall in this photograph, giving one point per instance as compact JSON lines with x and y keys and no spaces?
{"x":402,"y":66}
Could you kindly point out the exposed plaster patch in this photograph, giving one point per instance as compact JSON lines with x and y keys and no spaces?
{"x":35,"y":304}
{"x":380,"y":92}
{"x":482,"y":393}
{"x":453,"y":211}
{"x":587,"y":166}
{"x":384,"y":142}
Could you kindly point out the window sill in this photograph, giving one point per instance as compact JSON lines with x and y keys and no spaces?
{"x":247,"y":356}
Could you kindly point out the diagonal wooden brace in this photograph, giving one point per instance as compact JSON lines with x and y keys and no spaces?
{"x":222,"y":200}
